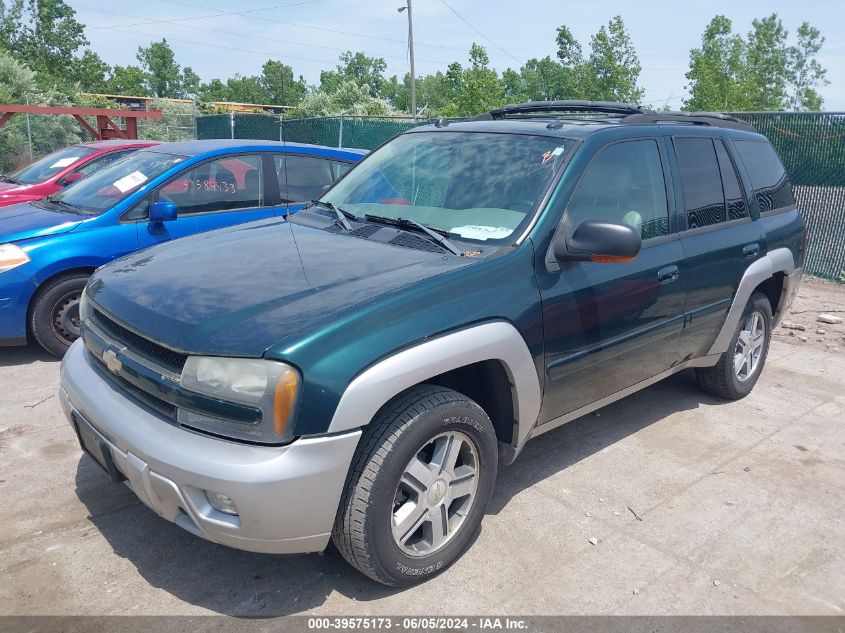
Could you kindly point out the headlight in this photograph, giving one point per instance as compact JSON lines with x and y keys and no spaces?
{"x":268,"y":386}
{"x":12,"y":256}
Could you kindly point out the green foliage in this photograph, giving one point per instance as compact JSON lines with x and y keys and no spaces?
{"x":356,"y":67}
{"x":474,"y":89}
{"x":348,"y":98}
{"x":19,"y":84}
{"x":89,"y":73}
{"x":756,"y":73}
{"x":176,"y":124}
{"x":163,"y":74}
{"x":128,"y":80}
{"x":806,"y":73}
{"x":613,"y":68}
{"x":44,"y":33}
{"x":280,"y":87}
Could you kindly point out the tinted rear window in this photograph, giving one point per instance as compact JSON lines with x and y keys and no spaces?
{"x":767,"y":175}
{"x":701,"y":182}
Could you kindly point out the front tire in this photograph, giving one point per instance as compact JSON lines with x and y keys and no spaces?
{"x":739,"y":368}
{"x":54,"y":318}
{"x":418,"y":486}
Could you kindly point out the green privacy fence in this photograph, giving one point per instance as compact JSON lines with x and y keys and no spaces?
{"x":358,"y":132}
{"x":811,"y":145}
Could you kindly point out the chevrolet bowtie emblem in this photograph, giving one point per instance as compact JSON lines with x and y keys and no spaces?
{"x":112,"y":361}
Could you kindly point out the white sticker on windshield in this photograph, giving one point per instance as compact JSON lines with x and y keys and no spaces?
{"x":474,"y":232}
{"x":64,"y":162}
{"x":130,"y":182}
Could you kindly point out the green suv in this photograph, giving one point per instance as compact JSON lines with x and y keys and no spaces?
{"x":358,"y":372}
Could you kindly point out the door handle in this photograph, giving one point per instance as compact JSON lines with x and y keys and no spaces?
{"x":668,"y":274}
{"x":751,"y":250}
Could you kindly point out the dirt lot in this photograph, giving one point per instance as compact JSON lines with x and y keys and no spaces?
{"x":698,"y":507}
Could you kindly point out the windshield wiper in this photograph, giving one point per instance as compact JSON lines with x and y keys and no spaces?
{"x":342,"y":215}
{"x":435,"y":235}
{"x":67,"y":205}
{"x":11,"y":180}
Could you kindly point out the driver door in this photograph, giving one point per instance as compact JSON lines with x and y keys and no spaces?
{"x":611,"y":325}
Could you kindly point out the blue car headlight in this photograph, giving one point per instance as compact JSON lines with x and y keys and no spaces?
{"x":12,"y":256}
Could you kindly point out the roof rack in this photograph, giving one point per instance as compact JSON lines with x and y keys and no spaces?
{"x":549,"y":107}
{"x":713,"y":119}
{"x":625,"y":113}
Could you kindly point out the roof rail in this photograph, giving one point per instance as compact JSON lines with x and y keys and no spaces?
{"x":550,"y":107}
{"x":713,"y":119}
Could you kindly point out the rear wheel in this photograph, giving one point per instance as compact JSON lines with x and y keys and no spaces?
{"x":418,"y":487}
{"x":738,"y":369}
{"x":54,"y":318}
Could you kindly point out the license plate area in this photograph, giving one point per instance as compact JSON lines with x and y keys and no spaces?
{"x":99,"y":451}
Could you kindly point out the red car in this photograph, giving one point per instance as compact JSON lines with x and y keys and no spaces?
{"x":49,"y":174}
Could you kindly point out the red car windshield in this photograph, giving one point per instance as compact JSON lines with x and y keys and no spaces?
{"x":50,"y":165}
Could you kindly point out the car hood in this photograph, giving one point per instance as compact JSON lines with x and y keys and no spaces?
{"x":24,"y":220}
{"x":239,"y":291}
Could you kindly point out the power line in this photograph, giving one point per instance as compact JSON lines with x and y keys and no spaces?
{"x":328,"y":30}
{"x":464,"y":20}
{"x":178,"y":21}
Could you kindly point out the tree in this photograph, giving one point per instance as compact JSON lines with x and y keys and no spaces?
{"x":89,"y":72}
{"x":357,"y":67}
{"x":349,"y":98}
{"x":279,"y":84}
{"x":44,"y":34}
{"x":806,"y":73}
{"x":247,"y":89}
{"x":716,"y":69}
{"x":190,"y":82}
{"x":474,"y":89}
{"x":766,"y":71}
{"x":164,"y":75}
{"x":128,"y":80}
{"x":613,"y":68}
{"x":761,"y":72}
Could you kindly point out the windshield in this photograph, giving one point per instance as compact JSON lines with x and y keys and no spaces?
{"x":477,"y":186}
{"x":108,"y":186}
{"x":49,"y":166}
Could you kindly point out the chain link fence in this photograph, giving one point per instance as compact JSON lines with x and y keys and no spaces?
{"x":27,"y":137}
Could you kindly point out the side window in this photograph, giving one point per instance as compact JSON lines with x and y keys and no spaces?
{"x":767,"y":175}
{"x":303,"y":178}
{"x":701,"y":182}
{"x":730,"y":182}
{"x":624,"y":183}
{"x":101,"y":161}
{"x":338,"y":168}
{"x":225,"y":184}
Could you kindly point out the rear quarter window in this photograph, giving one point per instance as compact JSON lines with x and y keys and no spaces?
{"x":768,"y":177}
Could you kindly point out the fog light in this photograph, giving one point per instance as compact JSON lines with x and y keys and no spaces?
{"x":221,"y":502}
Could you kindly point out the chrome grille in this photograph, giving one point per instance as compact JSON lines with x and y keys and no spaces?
{"x":174,"y":361}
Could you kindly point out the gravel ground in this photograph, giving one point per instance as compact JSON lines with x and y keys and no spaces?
{"x":668,"y":502}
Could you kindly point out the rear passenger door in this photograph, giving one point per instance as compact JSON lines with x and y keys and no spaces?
{"x":719,"y":237}
{"x":304,"y":178}
{"x":610,"y":326}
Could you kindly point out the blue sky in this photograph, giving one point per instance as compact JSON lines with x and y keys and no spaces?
{"x":219,"y":38}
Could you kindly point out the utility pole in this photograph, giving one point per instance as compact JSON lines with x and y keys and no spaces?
{"x":411,"y":56}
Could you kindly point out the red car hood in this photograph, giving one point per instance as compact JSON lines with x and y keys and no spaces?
{"x":10,"y":193}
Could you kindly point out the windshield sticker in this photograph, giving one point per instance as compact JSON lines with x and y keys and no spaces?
{"x":473,"y":232}
{"x":64,"y":162}
{"x":550,"y":154}
{"x":131,"y":181}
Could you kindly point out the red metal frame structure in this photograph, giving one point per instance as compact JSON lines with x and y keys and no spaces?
{"x":106,"y":127}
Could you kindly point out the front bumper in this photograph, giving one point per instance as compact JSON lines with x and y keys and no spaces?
{"x":287,"y":496}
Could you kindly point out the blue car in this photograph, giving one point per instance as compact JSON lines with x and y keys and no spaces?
{"x":49,"y":248}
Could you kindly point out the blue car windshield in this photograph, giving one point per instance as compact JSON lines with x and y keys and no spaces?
{"x":50,"y":165}
{"x":478,"y":186}
{"x":113,"y":183}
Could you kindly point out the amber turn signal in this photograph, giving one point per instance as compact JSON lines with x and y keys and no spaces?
{"x":284,"y":399}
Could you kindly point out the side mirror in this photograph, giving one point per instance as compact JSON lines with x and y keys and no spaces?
{"x":598,"y":241}
{"x":162,"y":211}
{"x":69,"y":179}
